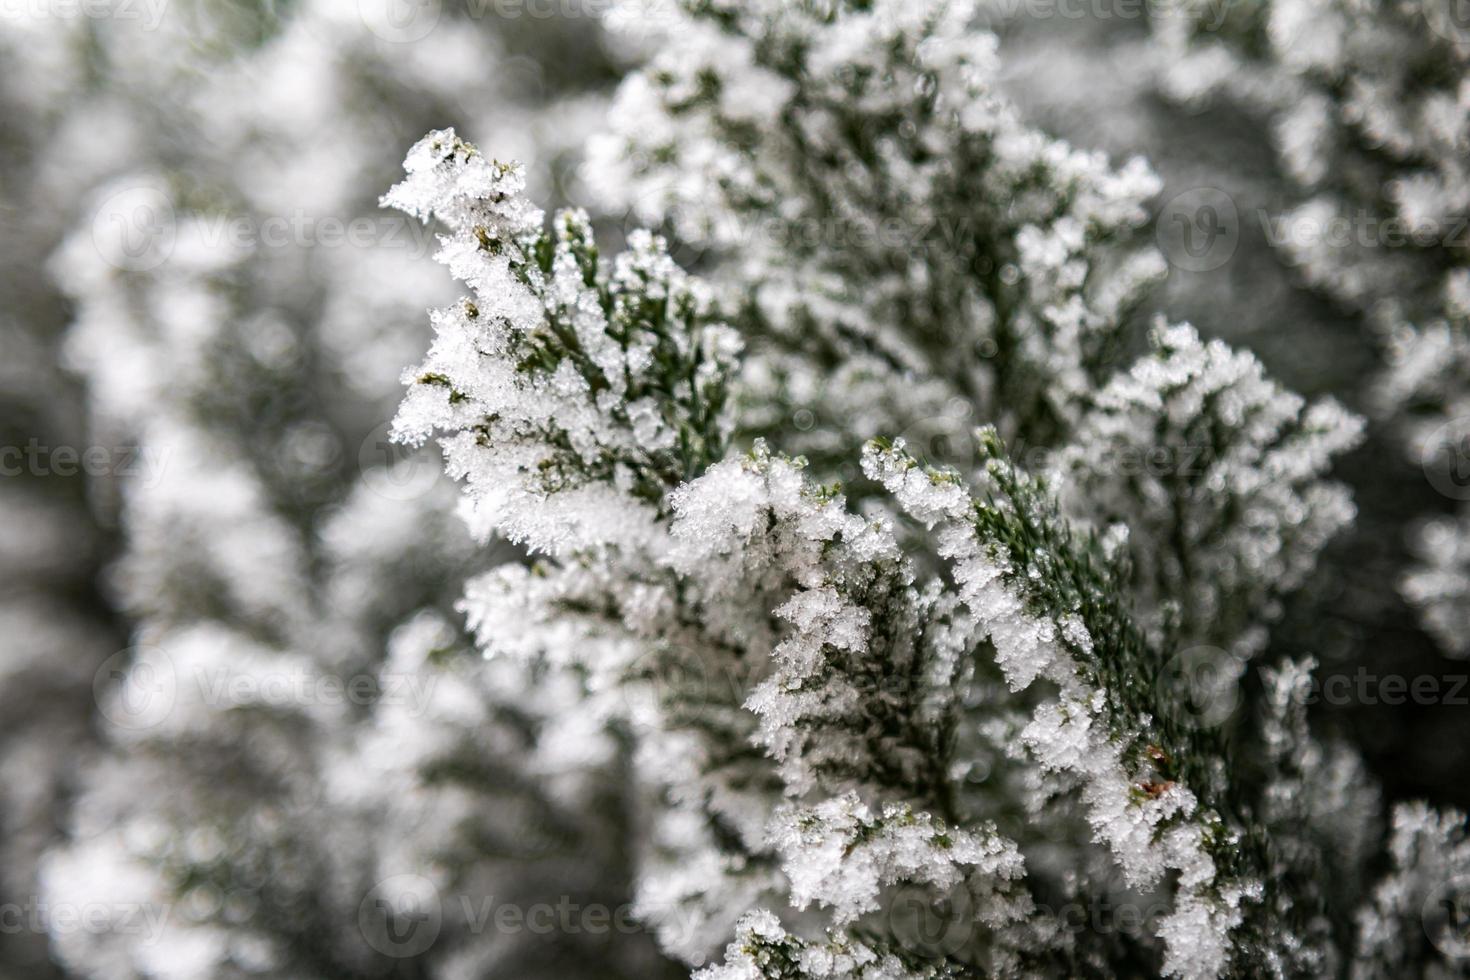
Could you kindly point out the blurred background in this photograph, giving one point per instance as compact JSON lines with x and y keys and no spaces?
{"x":205,"y":316}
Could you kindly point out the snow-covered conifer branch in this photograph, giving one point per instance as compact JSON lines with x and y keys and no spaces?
{"x":1415,"y":916}
{"x":1321,"y":813}
{"x":1051,"y":605}
{"x":1174,"y":450}
{"x":296,"y":721}
{"x":1367,"y":113}
{"x":596,"y":388}
{"x":744,"y":539}
{"x":821,"y":146}
{"x":809,"y":681}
